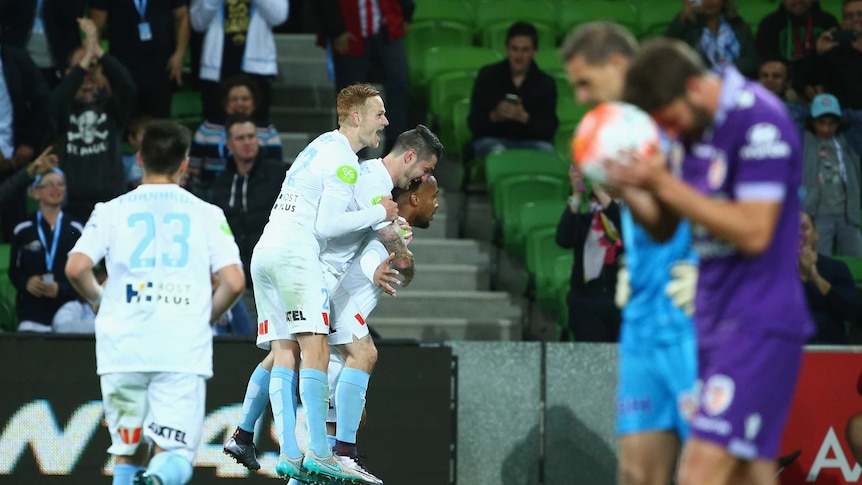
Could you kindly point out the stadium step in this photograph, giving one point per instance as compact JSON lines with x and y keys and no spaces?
{"x":449,"y":304}
{"x":433,"y":329}
{"x":447,"y":277}
{"x":448,"y":251}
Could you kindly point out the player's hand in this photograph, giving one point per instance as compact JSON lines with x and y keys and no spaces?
{"x":35,"y":286}
{"x":624,"y":288}
{"x":631,"y":169}
{"x":406,"y":230}
{"x":390,"y":206}
{"x":683,"y":286}
{"x":384,"y":276}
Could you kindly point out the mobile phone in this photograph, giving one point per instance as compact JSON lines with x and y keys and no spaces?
{"x":844,"y":36}
{"x":513,"y":98}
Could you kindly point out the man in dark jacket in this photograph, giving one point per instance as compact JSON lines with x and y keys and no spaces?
{"x":791,"y":33}
{"x":248,"y":187}
{"x":23,"y":125}
{"x":829,"y":289}
{"x":514,"y":103}
{"x":91,"y":107}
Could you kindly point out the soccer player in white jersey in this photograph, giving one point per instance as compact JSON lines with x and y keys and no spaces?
{"x":153,"y":337}
{"x":290,"y":286}
{"x":413,"y":157}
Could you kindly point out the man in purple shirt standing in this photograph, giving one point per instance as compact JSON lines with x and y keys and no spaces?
{"x":742,"y":168}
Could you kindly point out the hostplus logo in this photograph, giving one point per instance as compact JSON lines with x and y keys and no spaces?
{"x":167,"y":293}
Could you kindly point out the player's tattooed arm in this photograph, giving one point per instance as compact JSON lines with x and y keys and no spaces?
{"x":394,"y":243}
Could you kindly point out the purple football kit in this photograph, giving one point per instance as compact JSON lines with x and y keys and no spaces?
{"x":751,"y":316}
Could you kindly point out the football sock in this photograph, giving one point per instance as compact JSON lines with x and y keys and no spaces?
{"x":124,"y":473}
{"x":314,"y":390}
{"x":330,"y":441}
{"x":171,"y":468}
{"x":256,"y":397}
{"x":350,"y":396}
{"x":282,"y":397}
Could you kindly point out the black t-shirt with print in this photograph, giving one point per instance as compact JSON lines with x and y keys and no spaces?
{"x":237,"y":14}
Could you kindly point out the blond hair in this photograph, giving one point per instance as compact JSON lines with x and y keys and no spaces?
{"x":352,"y":98}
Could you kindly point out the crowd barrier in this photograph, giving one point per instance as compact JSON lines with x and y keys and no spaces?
{"x":471,"y":413}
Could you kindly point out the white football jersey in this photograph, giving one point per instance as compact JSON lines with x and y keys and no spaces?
{"x":160,"y":245}
{"x":374,"y":183}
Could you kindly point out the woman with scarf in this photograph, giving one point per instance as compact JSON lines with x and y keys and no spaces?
{"x":720,"y":35}
{"x":593,"y":234}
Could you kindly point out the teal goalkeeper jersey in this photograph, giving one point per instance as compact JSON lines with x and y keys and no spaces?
{"x":650,"y":315}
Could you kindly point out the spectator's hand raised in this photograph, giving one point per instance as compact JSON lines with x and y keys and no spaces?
{"x":45,"y":162}
{"x":826,"y":42}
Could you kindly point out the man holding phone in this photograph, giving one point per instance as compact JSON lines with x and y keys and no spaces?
{"x":838,"y":69}
{"x":514,"y":102}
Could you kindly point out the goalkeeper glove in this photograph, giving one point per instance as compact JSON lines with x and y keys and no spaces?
{"x":681,"y":288}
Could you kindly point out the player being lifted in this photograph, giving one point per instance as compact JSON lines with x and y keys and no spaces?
{"x":153,"y":337}
{"x":657,"y":348}
{"x":291,"y":288}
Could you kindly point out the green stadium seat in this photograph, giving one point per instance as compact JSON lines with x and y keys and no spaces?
{"x":511,"y":193}
{"x":8,"y":317}
{"x":446,"y":89}
{"x":439,"y":60}
{"x":563,"y":140}
{"x":563,"y":332}
{"x":533,"y":216}
{"x":569,"y":111}
{"x":450,"y":10}
{"x":494,"y":35}
{"x":572,"y":14}
{"x":432,"y":33}
{"x":855,"y":265}
{"x":548,"y":60}
{"x":554,"y":275}
{"x":488,"y":13}
{"x":656,"y":15}
{"x":542,"y":252}
{"x":564,"y":89}
{"x":524,"y":162}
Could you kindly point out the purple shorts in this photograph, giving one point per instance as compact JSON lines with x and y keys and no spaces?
{"x":746,"y":386}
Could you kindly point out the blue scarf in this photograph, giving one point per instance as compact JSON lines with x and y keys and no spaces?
{"x":721,"y":49}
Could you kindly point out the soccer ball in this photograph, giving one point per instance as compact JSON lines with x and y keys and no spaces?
{"x":608,"y":131}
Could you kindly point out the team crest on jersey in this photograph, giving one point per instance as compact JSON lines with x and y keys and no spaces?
{"x":764,"y":141}
{"x":346,"y":174}
{"x":717,"y":172}
{"x":718,"y":394}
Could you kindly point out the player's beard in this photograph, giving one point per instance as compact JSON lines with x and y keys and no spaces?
{"x":701,"y":121}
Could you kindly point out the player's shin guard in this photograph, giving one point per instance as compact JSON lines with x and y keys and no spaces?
{"x":256,"y":398}
{"x":124,"y":473}
{"x":350,"y":396}
{"x":314,"y":390}
{"x":282,"y":396}
{"x":170,"y":468}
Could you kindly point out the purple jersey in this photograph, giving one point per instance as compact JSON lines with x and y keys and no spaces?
{"x":752,"y":152}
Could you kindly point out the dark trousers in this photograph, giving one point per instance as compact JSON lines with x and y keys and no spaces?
{"x":389,"y":56}
{"x":593,"y":317}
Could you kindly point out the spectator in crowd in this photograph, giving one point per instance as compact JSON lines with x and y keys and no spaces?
{"x":91,"y":108}
{"x":150,"y":39}
{"x":47,"y":29}
{"x":134,"y":136}
{"x":23,"y":125}
{"x":595,"y":238}
{"x":38,"y":256}
{"x":248,"y":187}
{"x":359,"y":34}
{"x":774,"y":75}
{"x":831,"y":180}
{"x":78,"y":316}
{"x":838,"y":69}
{"x":718,"y":33}
{"x":12,"y":186}
{"x":514,"y":103}
{"x":209,"y":152}
{"x":238,"y":38}
{"x":829,"y":289}
{"x":791,"y":33}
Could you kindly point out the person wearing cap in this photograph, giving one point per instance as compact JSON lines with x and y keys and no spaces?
{"x":831,"y":180}
{"x":39,"y":248}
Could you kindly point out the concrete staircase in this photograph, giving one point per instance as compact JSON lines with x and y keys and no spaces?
{"x":449,"y":298}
